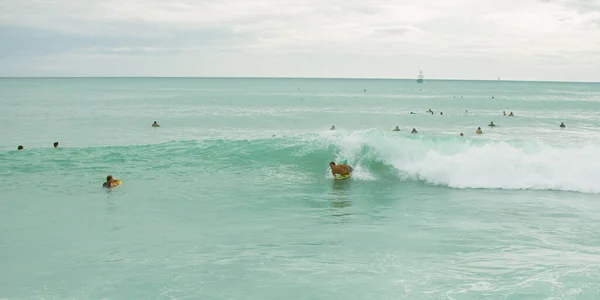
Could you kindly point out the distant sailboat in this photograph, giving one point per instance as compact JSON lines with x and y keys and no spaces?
{"x":421,"y":78}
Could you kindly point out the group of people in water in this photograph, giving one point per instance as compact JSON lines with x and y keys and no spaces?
{"x":478,"y":131}
{"x":341,"y":169}
{"x":110,"y":181}
{"x":20,"y":147}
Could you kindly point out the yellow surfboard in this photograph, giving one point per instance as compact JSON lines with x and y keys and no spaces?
{"x":341,"y":177}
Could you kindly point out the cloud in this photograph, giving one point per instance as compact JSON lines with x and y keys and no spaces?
{"x":477,"y":34}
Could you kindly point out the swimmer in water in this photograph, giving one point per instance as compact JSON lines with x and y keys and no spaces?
{"x":430,"y":111}
{"x":332,"y":127}
{"x":155,"y":124}
{"x":441,"y":113}
{"x":478,"y":131}
{"x":413,"y":131}
{"x":341,"y":169}
{"x":511,"y":114}
{"x":20,"y":148}
{"x":504,"y":112}
{"x":110,"y":182}
{"x":461,"y":134}
{"x":396,"y":129}
{"x":491,"y":124}
{"x":55,"y":144}
{"x":562,"y":125}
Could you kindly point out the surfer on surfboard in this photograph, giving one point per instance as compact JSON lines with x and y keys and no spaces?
{"x":342,"y":169}
{"x":111,"y":182}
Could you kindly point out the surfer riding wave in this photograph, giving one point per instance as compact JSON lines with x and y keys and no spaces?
{"x":342,"y":169}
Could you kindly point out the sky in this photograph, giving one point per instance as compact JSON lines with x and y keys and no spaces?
{"x":556,"y":40}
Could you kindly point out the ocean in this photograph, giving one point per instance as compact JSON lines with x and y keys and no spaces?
{"x":232,"y":198}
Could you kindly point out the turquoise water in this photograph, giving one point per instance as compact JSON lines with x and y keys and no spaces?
{"x":231,"y":197}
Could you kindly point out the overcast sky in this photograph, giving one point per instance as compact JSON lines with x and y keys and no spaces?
{"x":461,"y":39}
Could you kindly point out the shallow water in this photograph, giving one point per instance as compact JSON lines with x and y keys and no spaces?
{"x":231,"y":197}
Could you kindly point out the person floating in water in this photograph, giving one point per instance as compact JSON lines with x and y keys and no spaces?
{"x":430,"y":111}
{"x":413,"y":113}
{"x":478,"y":131}
{"x":413,"y":131}
{"x":441,"y":113}
{"x":55,"y":144}
{"x":504,"y":112}
{"x":332,"y":127}
{"x":110,"y":182}
{"x":562,"y":125}
{"x":20,"y":147}
{"x":491,"y":124}
{"x":461,"y":134}
{"x":341,"y":169}
{"x":396,"y":129}
{"x":511,"y":114}
{"x":155,"y":124}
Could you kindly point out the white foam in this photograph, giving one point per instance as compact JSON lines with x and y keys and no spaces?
{"x":463,"y":163}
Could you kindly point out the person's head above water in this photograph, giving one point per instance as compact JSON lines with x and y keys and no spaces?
{"x":331,"y":164}
{"x":478,"y":128}
{"x":55,"y":144}
{"x":461,"y":134}
{"x":20,"y":147}
{"x":111,"y":182}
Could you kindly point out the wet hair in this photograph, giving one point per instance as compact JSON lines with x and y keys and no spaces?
{"x":109,"y":178}
{"x":479,"y":128}
{"x":55,"y":144}
{"x":332,"y":163}
{"x":20,"y":147}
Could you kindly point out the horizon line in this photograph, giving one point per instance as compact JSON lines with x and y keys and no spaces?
{"x":266,"y":77}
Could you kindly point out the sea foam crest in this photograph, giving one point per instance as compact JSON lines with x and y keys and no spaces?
{"x":465,"y":163}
